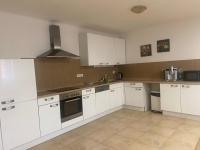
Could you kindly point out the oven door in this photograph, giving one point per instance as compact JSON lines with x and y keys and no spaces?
{"x":71,"y":108}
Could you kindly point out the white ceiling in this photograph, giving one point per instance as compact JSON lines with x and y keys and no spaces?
{"x":108,"y":15}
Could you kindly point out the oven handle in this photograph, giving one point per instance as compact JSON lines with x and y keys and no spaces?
{"x":73,"y":100}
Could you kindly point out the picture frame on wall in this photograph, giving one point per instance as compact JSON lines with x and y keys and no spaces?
{"x":163,"y":45}
{"x":145,"y":50}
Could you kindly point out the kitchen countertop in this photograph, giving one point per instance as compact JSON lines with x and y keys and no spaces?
{"x":151,"y":81}
{"x":42,"y":94}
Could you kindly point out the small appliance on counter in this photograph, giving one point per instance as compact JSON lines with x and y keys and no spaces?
{"x":191,"y":75}
{"x":172,"y":74}
{"x":119,"y":76}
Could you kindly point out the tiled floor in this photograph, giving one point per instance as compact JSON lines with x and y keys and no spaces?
{"x":129,"y":130}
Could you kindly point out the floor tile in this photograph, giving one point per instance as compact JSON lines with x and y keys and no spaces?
{"x":129,"y":130}
{"x":176,"y":145}
{"x":153,"y":140}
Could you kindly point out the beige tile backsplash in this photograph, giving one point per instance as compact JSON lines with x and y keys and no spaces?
{"x":61,"y":72}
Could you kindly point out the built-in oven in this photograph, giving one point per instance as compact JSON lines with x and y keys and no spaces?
{"x":71,"y":105}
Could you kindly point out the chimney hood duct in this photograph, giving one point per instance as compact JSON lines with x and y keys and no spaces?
{"x":55,"y":42}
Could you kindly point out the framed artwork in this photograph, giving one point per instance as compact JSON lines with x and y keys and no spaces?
{"x":163,"y":45}
{"x":145,"y":50}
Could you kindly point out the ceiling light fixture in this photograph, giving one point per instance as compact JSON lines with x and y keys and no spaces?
{"x":138,"y":9}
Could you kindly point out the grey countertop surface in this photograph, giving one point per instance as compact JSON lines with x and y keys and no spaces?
{"x":42,"y":94}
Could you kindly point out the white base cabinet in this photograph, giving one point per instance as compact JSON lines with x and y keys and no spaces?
{"x":19,"y":124}
{"x":102,"y":101}
{"x":116,"y":97}
{"x":190,"y":99}
{"x":89,"y":104}
{"x":136,"y":95}
{"x":1,"y":145}
{"x":170,"y":97}
{"x":50,"y":120}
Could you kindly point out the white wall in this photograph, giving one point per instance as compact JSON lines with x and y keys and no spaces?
{"x":184,"y":37}
{"x":26,"y":37}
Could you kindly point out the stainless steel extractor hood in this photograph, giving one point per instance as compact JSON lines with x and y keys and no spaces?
{"x":55,"y":41}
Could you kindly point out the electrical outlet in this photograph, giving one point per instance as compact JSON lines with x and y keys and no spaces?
{"x":80,"y":75}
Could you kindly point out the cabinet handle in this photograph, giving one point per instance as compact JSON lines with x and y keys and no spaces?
{"x":107,"y":63}
{"x":49,"y":99}
{"x":54,"y":105}
{"x":8,"y":102}
{"x":88,"y":90}
{"x":132,"y":83}
{"x":173,"y":85}
{"x":117,"y":63}
{"x":185,"y":86}
{"x":138,"y":89}
{"x":112,"y":90}
{"x":100,"y":63}
{"x":8,"y":108}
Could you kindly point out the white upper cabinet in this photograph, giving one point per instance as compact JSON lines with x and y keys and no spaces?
{"x":170,"y":97}
{"x":17,"y":80}
{"x":120,"y":51}
{"x":190,"y":99}
{"x":99,"y":50}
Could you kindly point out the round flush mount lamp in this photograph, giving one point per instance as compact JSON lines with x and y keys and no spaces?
{"x":138,"y":9}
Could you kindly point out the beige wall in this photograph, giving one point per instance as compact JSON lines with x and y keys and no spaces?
{"x":184,"y":36}
{"x":26,"y":37}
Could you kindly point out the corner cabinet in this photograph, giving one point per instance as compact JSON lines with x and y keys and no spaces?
{"x":170,"y":97}
{"x":136,"y":95}
{"x":99,"y":50}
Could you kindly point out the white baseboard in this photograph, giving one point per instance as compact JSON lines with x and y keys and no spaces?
{"x":134,"y":108}
{"x":64,"y":130}
{"x":181,"y":115}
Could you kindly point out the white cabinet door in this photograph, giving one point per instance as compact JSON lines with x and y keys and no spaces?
{"x":89,"y":105}
{"x":100,"y":49}
{"x":50,"y":120}
{"x":170,"y":97}
{"x":120,"y":51}
{"x":19,"y":124}
{"x":190,"y":99}
{"x":102,"y":101}
{"x":135,"y":96}
{"x":17,"y":80}
{"x":1,"y":145}
{"x":116,"y":97}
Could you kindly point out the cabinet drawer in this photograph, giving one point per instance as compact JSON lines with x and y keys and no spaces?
{"x":88,"y":91}
{"x":133,"y":84}
{"x":116,"y":85}
{"x":48,"y":100}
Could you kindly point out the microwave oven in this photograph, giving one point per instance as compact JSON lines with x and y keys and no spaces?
{"x":191,"y":75}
